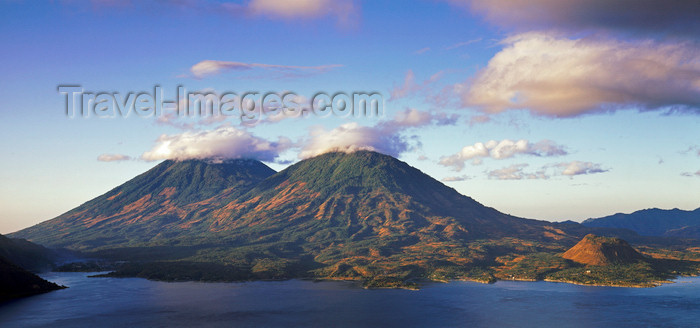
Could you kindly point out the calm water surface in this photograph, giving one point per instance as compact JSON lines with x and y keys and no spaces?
{"x":108,"y":302}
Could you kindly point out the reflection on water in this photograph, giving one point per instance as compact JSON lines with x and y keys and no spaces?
{"x":108,"y":302}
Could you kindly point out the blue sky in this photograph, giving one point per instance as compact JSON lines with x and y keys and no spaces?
{"x":561,"y":110}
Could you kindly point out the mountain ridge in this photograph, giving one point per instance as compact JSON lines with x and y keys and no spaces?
{"x":17,"y":259}
{"x":340,"y":178}
{"x":360,"y":215}
{"x":170,"y":194}
{"x":653,"y":222}
{"x":27,"y":255}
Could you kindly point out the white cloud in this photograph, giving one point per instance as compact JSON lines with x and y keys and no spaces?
{"x":352,"y":137}
{"x":515,"y":172}
{"x":500,"y":150}
{"x":456,"y":178}
{"x":384,"y":137}
{"x":570,"y":169}
{"x":580,"y":168}
{"x":113,"y":158}
{"x":562,"y":77}
{"x":222,"y":143}
{"x":228,"y":142}
{"x":212,"y":67}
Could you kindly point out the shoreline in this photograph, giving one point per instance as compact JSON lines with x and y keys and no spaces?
{"x":359,"y":282}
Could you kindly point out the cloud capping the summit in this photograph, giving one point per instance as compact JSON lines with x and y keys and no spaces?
{"x":224,"y":142}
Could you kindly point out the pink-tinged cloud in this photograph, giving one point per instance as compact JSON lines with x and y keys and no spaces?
{"x":414,"y":118}
{"x":479,"y":119}
{"x":346,"y":11}
{"x":411,"y":117}
{"x":559,"y":77}
{"x":222,"y":143}
{"x":408,"y":86}
{"x":213,"y":67}
{"x":411,"y":88}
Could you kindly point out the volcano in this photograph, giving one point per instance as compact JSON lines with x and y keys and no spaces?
{"x":338,"y":215}
{"x":166,"y":201}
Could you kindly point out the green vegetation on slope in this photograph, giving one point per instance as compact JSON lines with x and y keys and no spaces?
{"x":361,"y":216}
{"x":170,"y":200}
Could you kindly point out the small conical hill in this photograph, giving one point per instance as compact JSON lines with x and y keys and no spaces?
{"x":596,"y":250}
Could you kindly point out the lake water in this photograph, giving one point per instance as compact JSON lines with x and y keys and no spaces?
{"x":109,"y":302}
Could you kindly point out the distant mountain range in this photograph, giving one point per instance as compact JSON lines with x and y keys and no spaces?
{"x":360,"y":215}
{"x":654,"y":222}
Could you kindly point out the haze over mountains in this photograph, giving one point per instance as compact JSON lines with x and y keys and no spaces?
{"x":654,"y":222}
